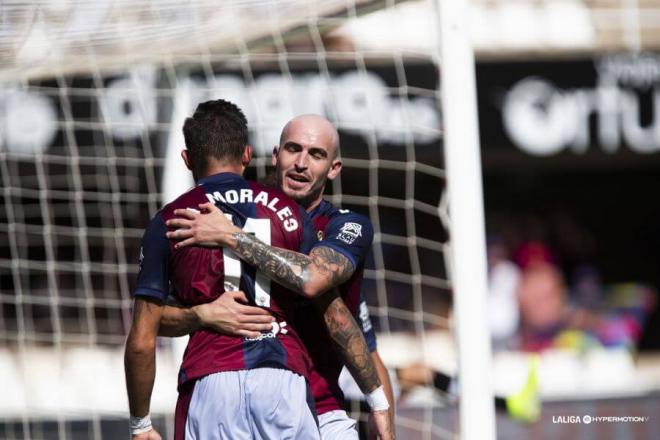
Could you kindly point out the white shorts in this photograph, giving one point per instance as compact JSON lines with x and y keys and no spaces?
{"x":336,"y":425}
{"x":264,"y":403}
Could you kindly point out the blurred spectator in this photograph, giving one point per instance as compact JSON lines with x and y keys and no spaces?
{"x":623,"y":314}
{"x":503,"y":279}
{"x":544,"y":310}
{"x":597,"y":316}
{"x":534,"y":253}
{"x":587,"y":289}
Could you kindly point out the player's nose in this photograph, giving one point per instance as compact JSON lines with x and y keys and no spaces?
{"x":301,"y":161}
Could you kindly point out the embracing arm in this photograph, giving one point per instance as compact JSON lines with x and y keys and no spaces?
{"x":178,"y":321}
{"x":140,"y":355}
{"x":309,"y":275}
{"x":228,"y":314}
{"x":364,"y":367}
{"x":349,"y":341}
{"x":384,"y":377}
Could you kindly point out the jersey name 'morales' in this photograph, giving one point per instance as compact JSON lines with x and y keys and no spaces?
{"x":246,"y":195}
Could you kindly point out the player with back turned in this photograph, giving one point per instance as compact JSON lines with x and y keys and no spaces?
{"x":229,"y":387}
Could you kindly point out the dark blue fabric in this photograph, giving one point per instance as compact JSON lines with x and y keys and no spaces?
{"x":153,"y":279}
{"x":309,"y":237}
{"x":349,"y":233}
{"x":263,"y":352}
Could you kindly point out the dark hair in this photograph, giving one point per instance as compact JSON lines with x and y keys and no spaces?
{"x":217,"y":129}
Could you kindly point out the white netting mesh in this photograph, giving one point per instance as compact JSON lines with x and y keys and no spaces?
{"x":65,"y":36}
{"x":88,"y":138}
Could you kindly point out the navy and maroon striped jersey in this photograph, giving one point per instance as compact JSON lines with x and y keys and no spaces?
{"x":195,"y":275}
{"x":351,"y":235}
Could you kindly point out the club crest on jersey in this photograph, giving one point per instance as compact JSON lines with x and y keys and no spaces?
{"x":349,"y":232}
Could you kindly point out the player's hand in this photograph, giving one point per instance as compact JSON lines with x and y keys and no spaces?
{"x":227,"y":315}
{"x":381,"y":425}
{"x":209,"y":228}
{"x":149,"y":435}
{"x":413,"y":375}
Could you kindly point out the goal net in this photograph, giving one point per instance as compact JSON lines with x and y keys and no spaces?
{"x":92,"y":100}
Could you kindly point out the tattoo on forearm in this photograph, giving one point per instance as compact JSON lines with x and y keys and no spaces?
{"x":286,"y":267}
{"x":351,"y":345}
{"x":332,"y":265}
{"x":292,"y":269}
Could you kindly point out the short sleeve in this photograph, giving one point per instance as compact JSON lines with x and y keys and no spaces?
{"x":153,"y":278}
{"x":350,"y":234}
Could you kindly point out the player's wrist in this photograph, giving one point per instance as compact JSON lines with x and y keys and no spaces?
{"x":377,"y":400}
{"x":197,"y":316}
{"x":140,"y":425}
{"x":234,"y":238}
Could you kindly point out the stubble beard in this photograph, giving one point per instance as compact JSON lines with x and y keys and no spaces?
{"x":304,"y":200}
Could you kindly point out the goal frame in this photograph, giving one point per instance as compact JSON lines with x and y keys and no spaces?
{"x":466,"y":216}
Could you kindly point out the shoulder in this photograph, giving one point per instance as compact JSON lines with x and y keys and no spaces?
{"x":276,"y":201}
{"x":156,"y":225}
{"x":348,"y":221}
{"x":191,"y":198}
{"x":346,"y":231}
{"x":335,"y":213}
{"x":272,"y":191}
{"x":289,"y":221}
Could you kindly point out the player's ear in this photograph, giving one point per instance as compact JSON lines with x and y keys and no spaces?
{"x":276,"y":150}
{"x":247,"y":156}
{"x":335,"y":169}
{"x":184,"y":156}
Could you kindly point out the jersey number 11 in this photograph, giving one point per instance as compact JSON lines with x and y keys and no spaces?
{"x":260,"y":227}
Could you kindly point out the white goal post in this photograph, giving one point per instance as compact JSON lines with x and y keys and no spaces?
{"x":466,"y":213}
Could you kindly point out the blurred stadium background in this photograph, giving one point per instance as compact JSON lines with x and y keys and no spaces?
{"x":93,"y":95}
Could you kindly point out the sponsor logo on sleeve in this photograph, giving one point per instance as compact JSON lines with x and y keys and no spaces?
{"x":364,"y":317}
{"x":349,"y":232}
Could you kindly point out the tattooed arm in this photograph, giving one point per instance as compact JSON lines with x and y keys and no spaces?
{"x":309,"y":275}
{"x":349,"y":341}
{"x":351,"y":346}
{"x":140,"y":355}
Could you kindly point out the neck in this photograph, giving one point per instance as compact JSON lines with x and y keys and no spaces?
{"x":223,"y":167}
{"x":312,"y":205}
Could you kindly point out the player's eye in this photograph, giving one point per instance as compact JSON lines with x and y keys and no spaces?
{"x":292,"y":148}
